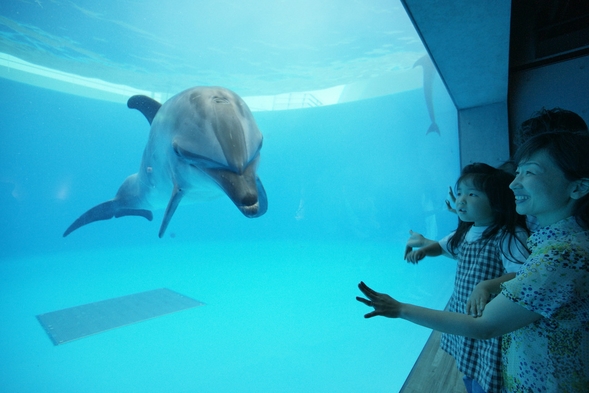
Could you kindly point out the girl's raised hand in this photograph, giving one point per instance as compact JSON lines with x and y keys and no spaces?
{"x":414,"y":256}
{"x":416,"y":240}
{"x":449,"y":204}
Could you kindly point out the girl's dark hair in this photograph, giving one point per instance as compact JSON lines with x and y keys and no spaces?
{"x":570,"y":152}
{"x":495,"y":184}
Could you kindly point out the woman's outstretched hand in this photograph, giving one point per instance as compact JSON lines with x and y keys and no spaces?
{"x":383,"y":304}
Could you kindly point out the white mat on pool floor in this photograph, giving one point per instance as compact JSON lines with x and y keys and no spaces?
{"x":76,"y":322}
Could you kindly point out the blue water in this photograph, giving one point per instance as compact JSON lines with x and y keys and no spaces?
{"x":345,"y":183}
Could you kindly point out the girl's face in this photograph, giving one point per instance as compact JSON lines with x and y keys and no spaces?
{"x":541,"y":190}
{"x":473,"y":205}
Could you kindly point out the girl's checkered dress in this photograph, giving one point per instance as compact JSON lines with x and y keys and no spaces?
{"x":478,"y":359}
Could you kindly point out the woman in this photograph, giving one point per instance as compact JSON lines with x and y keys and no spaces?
{"x":543,"y":313}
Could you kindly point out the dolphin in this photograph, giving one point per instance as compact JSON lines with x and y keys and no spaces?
{"x":203,"y":142}
{"x":428,"y":81}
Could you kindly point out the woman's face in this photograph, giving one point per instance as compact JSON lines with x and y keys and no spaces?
{"x":541,"y":189}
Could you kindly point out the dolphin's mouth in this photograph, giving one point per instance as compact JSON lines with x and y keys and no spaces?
{"x":251,"y":210}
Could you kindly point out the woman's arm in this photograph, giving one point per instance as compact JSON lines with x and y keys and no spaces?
{"x":500,"y":316}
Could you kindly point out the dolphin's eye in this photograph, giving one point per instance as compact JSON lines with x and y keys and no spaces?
{"x":220,"y":100}
{"x":194,"y":159}
{"x":202,"y":162}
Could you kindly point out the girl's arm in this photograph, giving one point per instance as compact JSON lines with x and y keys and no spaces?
{"x":416,"y":240}
{"x":431,"y":250}
{"x":501,"y":315}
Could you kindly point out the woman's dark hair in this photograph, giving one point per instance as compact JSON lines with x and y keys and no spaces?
{"x":547,"y":120}
{"x":495,"y":184}
{"x":570,"y":152}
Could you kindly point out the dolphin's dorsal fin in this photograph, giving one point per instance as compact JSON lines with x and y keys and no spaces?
{"x":146,"y":105}
{"x":177,"y":195}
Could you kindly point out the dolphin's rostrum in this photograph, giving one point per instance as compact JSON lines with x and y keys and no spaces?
{"x":202,"y":141}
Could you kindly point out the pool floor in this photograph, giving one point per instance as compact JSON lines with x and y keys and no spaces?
{"x":278,"y":317}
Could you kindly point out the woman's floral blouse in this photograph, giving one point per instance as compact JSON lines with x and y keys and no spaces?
{"x":551,"y":354}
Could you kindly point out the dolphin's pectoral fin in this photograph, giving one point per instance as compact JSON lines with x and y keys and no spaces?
{"x":106,"y":211}
{"x":262,"y":198}
{"x":146,"y":105}
{"x":177,"y":195}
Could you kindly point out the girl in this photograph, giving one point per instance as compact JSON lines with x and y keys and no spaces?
{"x":489,"y":245}
{"x":544,"y":312}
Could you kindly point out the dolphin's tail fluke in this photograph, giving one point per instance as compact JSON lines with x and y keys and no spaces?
{"x":106,"y":211}
{"x":433,"y":128}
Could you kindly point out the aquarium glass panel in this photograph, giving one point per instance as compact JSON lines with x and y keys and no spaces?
{"x":357,"y":146}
